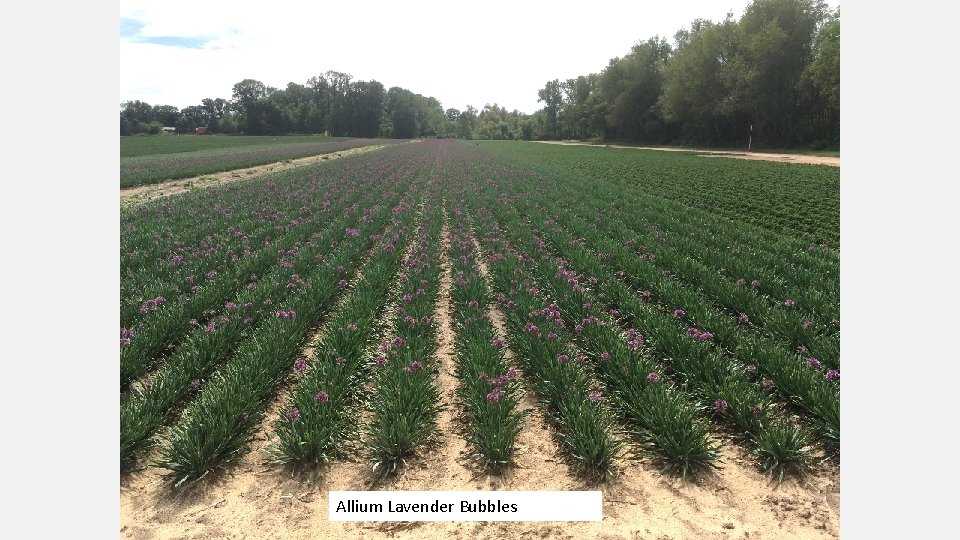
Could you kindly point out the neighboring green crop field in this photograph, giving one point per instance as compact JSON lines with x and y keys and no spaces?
{"x":157,"y":167}
{"x":136,"y":145}
{"x":802,"y":201}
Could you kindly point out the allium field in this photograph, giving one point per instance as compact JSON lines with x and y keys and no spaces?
{"x":657,"y":306}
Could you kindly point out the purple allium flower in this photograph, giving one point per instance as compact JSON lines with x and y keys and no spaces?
{"x":353,"y":233}
{"x":342,"y":284}
{"x":679,"y":312}
{"x":666,"y":273}
{"x":322,"y":397}
{"x":380,"y":360}
{"x":300,"y":364}
{"x":614,"y":312}
{"x":211,"y":327}
{"x":247,"y":321}
{"x":813,"y":363}
{"x":421,"y":292}
{"x":721,"y":406}
{"x":755,"y":410}
{"x":832,"y":375}
{"x":195,"y":385}
{"x":552,"y":336}
{"x":398,"y":341}
{"x":741,"y":282}
{"x":807,"y":324}
{"x":594,"y":395}
{"x":409,"y":320}
{"x":124,"y":341}
{"x":743,"y":319}
{"x":705,"y":336}
{"x":634,"y":344}
{"x":604,"y":356}
{"x":341,"y":269}
{"x":230,"y":306}
{"x":341,"y":361}
{"x":751,"y":369}
{"x":563,"y":359}
{"x":789,"y":302}
{"x":755,"y":283}
{"x":653,"y":377}
{"x":416,"y":365}
{"x":472,"y":304}
{"x":407,"y":298}
{"x":495,"y":395}
{"x":190,"y":280}
{"x":293,"y":413}
{"x":497,"y":343}
{"x":578,"y":329}
{"x":248,"y":305}
{"x":511,"y":304}
{"x":767,"y":384}
{"x":646,"y":294}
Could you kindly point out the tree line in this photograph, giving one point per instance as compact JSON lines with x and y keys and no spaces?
{"x":770,"y":79}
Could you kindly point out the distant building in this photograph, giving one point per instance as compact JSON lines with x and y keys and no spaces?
{"x":167,"y":129}
{"x":202,"y":131}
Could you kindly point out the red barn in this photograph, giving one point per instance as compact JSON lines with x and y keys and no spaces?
{"x":201,"y":131}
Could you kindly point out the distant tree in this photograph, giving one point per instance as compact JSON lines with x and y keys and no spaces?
{"x":552,"y":97}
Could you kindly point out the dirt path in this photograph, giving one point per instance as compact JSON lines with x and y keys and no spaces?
{"x":142,"y":194}
{"x":760,"y":156}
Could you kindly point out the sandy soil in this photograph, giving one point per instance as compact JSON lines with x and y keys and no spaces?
{"x":254,"y":500}
{"x":761,"y":156}
{"x":141,"y":194}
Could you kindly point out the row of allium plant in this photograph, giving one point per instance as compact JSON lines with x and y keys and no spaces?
{"x":176,"y":238}
{"x":666,"y":423}
{"x":768,"y":257}
{"x":670,"y":270}
{"x":594,"y":176}
{"x":489,"y":386}
{"x":805,"y":381}
{"x":170,"y":323}
{"x":810,"y":383}
{"x":405,"y":403}
{"x":657,"y":251}
{"x":320,"y":416}
{"x":152,"y":169}
{"x":539,"y":335}
{"x":709,"y":373}
{"x":210,"y":344}
{"x":293,"y":205}
{"x":218,"y":426}
{"x":798,"y":201}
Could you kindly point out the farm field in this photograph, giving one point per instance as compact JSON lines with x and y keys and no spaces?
{"x":151,"y":160}
{"x":496,"y":315}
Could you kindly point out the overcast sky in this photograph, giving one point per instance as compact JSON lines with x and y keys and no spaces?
{"x":178,"y":52}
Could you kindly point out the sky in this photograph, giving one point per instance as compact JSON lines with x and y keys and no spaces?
{"x":177,"y":52}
